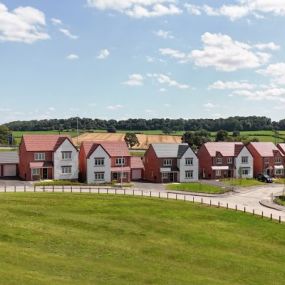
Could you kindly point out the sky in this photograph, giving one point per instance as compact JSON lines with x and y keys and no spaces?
{"x":120,"y":59}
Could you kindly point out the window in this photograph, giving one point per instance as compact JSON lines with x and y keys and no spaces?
{"x":219,"y":160}
{"x":278,"y":171}
{"x":167,"y":162}
{"x":230,"y":160}
{"x":66,"y":155}
{"x":189,"y":161}
{"x":218,"y":173}
{"x":125,"y":175}
{"x":189,"y":174}
{"x":266,"y":160}
{"x":40,"y":156}
{"x":99,"y":176}
{"x":244,"y":159}
{"x":164,"y":175}
{"x":120,"y":161}
{"x":99,"y":161}
{"x":245,"y":171}
{"x":66,"y":169}
{"x":278,"y":160}
{"x":36,"y":172}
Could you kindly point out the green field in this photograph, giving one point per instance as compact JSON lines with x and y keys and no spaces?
{"x":242,"y":182}
{"x":90,"y":239}
{"x":196,"y":187}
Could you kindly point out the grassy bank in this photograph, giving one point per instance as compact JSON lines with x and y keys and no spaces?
{"x":196,"y":187}
{"x":90,"y":239}
{"x":280,"y":200}
{"x":242,"y":182}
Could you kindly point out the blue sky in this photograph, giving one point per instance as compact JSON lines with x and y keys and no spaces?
{"x":141,"y":59}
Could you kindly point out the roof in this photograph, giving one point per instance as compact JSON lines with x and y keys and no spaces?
{"x":224,"y":148}
{"x":44,"y":142}
{"x":170,"y":150}
{"x":121,"y":169}
{"x":113,"y":148}
{"x":9,"y":157}
{"x":41,"y":164}
{"x":136,"y":162}
{"x":281,"y":146}
{"x":265,"y":149}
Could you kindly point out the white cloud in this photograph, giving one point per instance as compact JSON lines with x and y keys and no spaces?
{"x":138,"y":8}
{"x":241,"y":9}
{"x":164,"y":34}
{"x":67,"y":33}
{"x":224,"y":54}
{"x":103,"y":54}
{"x":210,"y":105}
{"x":165,"y":79}
{"x":115,"y":107}
{"x":231,"y":85}
{"x":72,"y":57}
{"x":56,"y":22}
{"x":176,"y":54}
{"x":275,"y":71}
{"x":23,"y":24}
{"x":135,"y":80}
{"x":270,"y":46}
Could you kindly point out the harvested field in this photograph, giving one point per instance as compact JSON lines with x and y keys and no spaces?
{"x":145,"y":140}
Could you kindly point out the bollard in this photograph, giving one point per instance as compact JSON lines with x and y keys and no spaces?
{"x":25,"y":188}
{"x":236,"y":207}
{"x":107,"y":191}
{"x":279,"y":219}
{"x":124,"y":191}
{"x":52,"y":188}
{"x":227,"y":206}
{"x":167,"y":195}
{"x":201,"y":200}
{"x":15,"y":188}
{"x":5,"y":188}
{"x":44,"y":189}
{"x":176,"y":197}
{"x":210,"y":203}
{"x":142,"y":192}
{"x":80,"y":189}
{"x":193,"y":199}
{"x":244,"y":209}
{"x":159,"y":195}
{"x":253,"y":212}
{"x":149,"y":193}
{"x":271,"y":216}
{"x":262,"y":214}
{"x":133,"y":192}
{"x":219,"y":204}
{"x":89,"y":190}
{"x":184,"y":198}
{"x":34,"y":188}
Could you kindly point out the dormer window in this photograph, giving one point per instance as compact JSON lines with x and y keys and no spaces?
{"x":278,"y":160}
{"x":39,"y":156}
{"x":120,"y":161}
{"x":219,"y":160}
{"x":167,"y":162}
{"x":230,"y":160}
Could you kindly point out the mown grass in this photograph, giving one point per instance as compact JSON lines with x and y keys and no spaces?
{"x":196,"y":187}
{"x":279,"y":180}
{"x":242,"y":182}
{"x":90,"y":239}
{"x":280,"y":200}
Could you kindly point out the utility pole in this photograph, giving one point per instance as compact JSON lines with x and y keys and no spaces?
{"x":77,"y":123}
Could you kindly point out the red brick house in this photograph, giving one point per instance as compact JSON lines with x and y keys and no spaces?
{"x":165,"y":163}
{"x":104,"y":162}
{"x":137,"y":168}
{"x":9,"y":164}
{"x":268,"y":159}
{"x":219,"y":160}
{"x":47,"y":157}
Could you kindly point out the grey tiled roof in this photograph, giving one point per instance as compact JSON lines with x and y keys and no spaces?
{"x":9,"y":157}
{"x":170,"y":150}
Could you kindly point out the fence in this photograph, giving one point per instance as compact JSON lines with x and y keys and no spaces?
{"x":142,"y":193}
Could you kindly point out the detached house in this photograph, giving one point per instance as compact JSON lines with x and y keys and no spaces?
{"x":104,"y":162}
{"x":225,"y":159}
{"x":47,"y":157}
{"x":268,"y":159}
{"x":166,"y":163}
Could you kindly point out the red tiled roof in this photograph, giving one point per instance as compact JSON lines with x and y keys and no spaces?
{"x":113,"y":148}
{"x":43,"y":142}
{"x":120,"y":169}
{"x":136,"y":163}
{"x":265,"y":149}
{"x":282,"y":147}
{"x":41,"y":164}
{"x":225,"y":148}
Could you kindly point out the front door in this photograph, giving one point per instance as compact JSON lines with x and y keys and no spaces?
{"x":45,"y":173}
{"x":171,"y":177}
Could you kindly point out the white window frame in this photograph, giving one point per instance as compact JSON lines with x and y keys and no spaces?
{"x":39,"y":156}
{"x":125,"y":175}
{"x":278,"y":171}
{"x":189,"y":174}
{"x":218,"y":173}
{"x":67,"y":169}
{"x":245,"y":171}
{"x":189,"y":161}
{"x":99,"y":161}
{"x":244,"y":159}
{"x":278,"y":160}
{"x":120,"y":161}
{"x":229,"y":160}
{"x":219,"y":160}
{"x":66,"y":155}
{"x":99,"y":176}
{"x":165,"y":175}
{"x":36,"y":171}
{"x":167,"y":162}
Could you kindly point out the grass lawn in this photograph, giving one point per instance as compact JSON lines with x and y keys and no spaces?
{"x":196,"y":187}
{"x":279,"y":180}
{"x":137,"y":153}
{"x":280,"y":200}
{"x":242,"y":182}
{"x":89,"y":239}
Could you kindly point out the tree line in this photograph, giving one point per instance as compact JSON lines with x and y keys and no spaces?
{"x":251,"y":123}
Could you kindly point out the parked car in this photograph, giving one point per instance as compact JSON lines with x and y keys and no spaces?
{"x":264,"y":178}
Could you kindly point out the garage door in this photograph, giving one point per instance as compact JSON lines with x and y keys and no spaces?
{"x":9,"y":170}
{"x":136,"y":174}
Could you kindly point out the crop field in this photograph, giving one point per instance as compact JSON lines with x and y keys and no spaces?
{"x":77,"y":239}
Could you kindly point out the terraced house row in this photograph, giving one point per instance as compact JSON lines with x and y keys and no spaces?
{"x":43,"y":157}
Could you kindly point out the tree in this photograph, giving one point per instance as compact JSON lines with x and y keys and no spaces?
{"x":196,"y":139}
{"x":222,"y":136}
{"x":5,"y":135}
{"x":236,"y":134}
{"x":131,"y":140}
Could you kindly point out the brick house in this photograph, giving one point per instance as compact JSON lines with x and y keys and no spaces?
{"x":47,"y":157}
{"x":137,"y":168}
{"x":166,"y":163}
{"x":9,"y":162}
{"x":104,"y":162}
{"x":268,"y":159}
{"x":219,"y":160}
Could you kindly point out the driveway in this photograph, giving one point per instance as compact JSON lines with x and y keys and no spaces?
{"x":14,"y":182}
